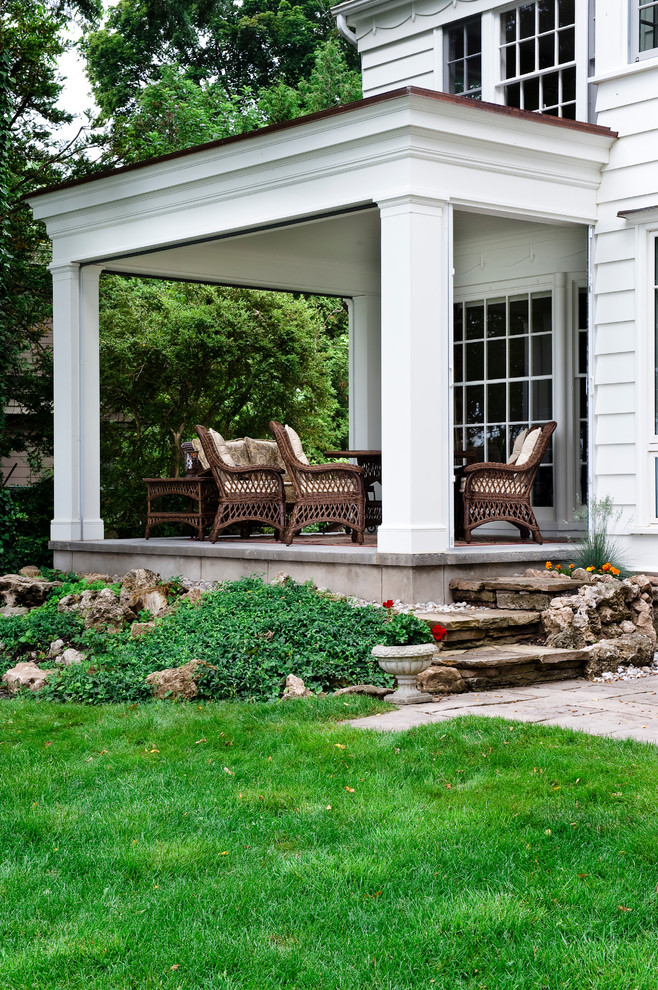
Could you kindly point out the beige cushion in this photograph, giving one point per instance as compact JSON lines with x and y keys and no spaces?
{"x":221,"y":447}
{"x":203,"y":460}
{"x":516,"y":449}
{"x":528,"y":448}
{"x":296,"y":445}
{"x":238,"y":451}
{"x":265,"y":452}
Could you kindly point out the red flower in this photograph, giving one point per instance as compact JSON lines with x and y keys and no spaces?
{"x":388,"y":604}
{"x":439,"y":632}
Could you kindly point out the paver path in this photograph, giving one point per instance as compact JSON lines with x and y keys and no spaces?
{"x":621,"y":709}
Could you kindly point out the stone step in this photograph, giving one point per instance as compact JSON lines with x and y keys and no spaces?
{"x":513,"y":592}
{"x":500,"y":666}
{"x":484,"y":625}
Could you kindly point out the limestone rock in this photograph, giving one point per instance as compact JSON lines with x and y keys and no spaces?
{"x":56,"y":647}
{"x":107,"y":578}
{"x":177,"y":682}
{"x":438,"y":679}
{"x":152,"y":599}
{"x":16,"y":589}
{"x":25,"y":675}
{"x":31,"y":571}
{"x":138,"y":629}
{"x":295,"y":688}
{"x":8,"y":610}
{"x":107,"y":612}
{"x":139,"y":578}
{"x":370,"y":689}
{"x":280,"y":578}
{"x":624,"y":651}
{"x":70,"y":657}
{"x":193,"y":595}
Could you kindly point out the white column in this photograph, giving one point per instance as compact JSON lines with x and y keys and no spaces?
{"x":76,"y":404}
{"x":365,"y":373}
{"x":90,"y":398}
{"x":415,"y":301}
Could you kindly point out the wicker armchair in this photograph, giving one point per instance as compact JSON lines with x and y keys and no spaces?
{"x":324,"y":492}
{"x":501,"y":492}
{"x":246,"y":494}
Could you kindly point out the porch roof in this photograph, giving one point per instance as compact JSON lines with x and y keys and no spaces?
{"x":168,"y":216}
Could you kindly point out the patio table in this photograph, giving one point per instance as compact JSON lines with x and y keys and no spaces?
{"x":201,"y":490}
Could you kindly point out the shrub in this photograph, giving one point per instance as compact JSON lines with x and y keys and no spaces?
{"x":405,"y":630}
{"x":253,"y":634}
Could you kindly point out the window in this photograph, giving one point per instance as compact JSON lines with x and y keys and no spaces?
{"x":463,"y":58}
{"x":503,"y":361}
{"x":581,"y":393}
{"x":538,"y":57}
{"x":645,"y":26}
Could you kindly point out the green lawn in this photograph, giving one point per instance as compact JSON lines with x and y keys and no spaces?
{"x":250,"y":847}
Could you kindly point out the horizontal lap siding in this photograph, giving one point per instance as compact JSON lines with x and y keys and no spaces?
{"x":622,"y":343}
{"x":400,"y":63}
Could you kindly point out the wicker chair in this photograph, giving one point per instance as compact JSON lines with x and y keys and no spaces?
{"x":332,"y":493}
{"x":246,"y":494}
{"x":501,"y":492}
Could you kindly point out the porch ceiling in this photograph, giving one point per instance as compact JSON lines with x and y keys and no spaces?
{"x":329,"y":255}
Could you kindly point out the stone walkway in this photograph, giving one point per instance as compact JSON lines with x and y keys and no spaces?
{"x":620,"y":709}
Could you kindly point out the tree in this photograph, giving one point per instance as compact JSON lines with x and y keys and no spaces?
{"x":176,"y":354}
{"x":32,"y":36}
{"x":254,"y":44}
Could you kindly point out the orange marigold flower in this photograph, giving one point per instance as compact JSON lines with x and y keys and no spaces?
{"x":606,"y":567}
{"x":590,"y":568}
{"x":558,"y":567}
{"x":615,"y":571}
{"x":548,"y":565}
{"x":571,"y":566}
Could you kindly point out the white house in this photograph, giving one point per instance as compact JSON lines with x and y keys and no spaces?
{"x":489,"y":210}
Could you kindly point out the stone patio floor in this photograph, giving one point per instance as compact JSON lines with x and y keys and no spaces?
{"x":619,"y":709}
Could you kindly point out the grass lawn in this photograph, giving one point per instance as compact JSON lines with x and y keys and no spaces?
{"x":252,"y":847}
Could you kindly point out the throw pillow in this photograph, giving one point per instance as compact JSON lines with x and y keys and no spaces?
{"x":528,"y":448}
{"x":516,"y":449}
{"x":296,"y":445}
{"x":265,"y":452}
{"x":221,"y":448}
{"x":238,"y":451}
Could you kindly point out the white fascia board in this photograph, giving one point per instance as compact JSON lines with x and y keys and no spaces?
{"x":326,"y":164}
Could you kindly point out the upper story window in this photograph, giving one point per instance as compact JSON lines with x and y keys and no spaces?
{"x":463,"y":58}
{"x":645,"y":27}
{"x":538,"y":56}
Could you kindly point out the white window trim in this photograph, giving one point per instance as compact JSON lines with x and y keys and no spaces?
{"x":634,"y":53}
{"x":646,"y":437}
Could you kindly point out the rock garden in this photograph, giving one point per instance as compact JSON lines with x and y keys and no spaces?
{"x":96,"y":639}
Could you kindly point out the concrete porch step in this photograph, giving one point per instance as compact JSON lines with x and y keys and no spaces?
{"x":501,"y":666}
{"x":479,"y":627}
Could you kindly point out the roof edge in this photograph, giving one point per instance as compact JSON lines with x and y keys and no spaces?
{"x":396,"y":94}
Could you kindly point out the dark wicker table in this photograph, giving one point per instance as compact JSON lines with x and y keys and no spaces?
{"x":201,"y":491}
{"x":371,"y":462}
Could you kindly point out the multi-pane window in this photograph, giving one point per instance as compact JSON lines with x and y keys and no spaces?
{"x":581,"y":393}
{"x":463,"y":52}
{"x":503,"y":362}
{"x":538,"y":54}
{"x":647,"y":33}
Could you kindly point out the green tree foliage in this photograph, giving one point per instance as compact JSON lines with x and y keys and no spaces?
{"x":177,"y":112}
{"x":254,"y":44}
{"x":32,"y":37}
{"x":176,"y":354}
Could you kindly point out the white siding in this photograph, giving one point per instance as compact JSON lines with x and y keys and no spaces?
{"x":623,"y":327}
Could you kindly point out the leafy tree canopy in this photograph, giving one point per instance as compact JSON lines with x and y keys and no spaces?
{"x":256,"y":43}
{"x":32,"y":37}
{"x":176,"y":112}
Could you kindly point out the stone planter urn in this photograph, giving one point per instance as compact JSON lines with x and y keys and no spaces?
{"x":404,"y":662}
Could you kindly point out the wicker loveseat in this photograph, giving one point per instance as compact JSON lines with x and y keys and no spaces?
{"x":501,"y":492}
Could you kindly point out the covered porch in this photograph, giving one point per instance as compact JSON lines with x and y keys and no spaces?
{"x":456,"y":231}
